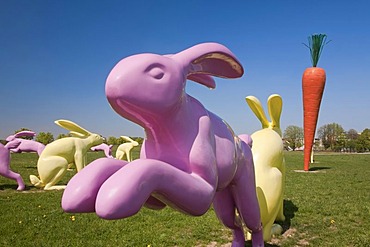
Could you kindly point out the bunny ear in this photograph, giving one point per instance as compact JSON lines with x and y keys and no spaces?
{"x":73,"y":127}
{"x":76,"y":134}
{"x":257,"y":108}
{"x":25,"y":133}
{"x":126,"y":138}
{"x":275,"y":106}
{"x":209,"y":59}
{"x":203,"y":79}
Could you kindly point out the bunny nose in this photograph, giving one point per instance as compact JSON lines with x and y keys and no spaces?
{"x":119,"y":80}
{"x":111,"y":88}
{"x":114,"y":83}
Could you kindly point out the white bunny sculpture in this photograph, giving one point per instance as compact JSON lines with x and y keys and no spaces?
{"x":26,"y":145}
{"x":59,"y":155}
{"x":125,"y":148}
{"x":5,"y":163}
{"x":269,"y":164}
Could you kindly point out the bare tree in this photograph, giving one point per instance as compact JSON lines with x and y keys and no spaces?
{"x":293,"y":135}
{"x":331,"y":136}
{"x":352,"y":136}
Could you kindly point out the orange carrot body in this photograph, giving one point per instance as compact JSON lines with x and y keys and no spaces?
{"x":313,"y":83}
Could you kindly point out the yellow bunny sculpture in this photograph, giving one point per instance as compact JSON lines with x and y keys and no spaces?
{"x":125,"y":149}
{"x":269,"y":164}
{"x":61,"y":154}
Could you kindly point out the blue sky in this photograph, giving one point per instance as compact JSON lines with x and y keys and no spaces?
{"x":55,"y":57}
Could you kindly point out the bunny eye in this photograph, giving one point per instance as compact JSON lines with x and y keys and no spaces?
{"x":156,"y":73}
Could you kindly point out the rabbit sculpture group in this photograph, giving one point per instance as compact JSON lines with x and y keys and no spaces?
{"x":61,"y":154}
{"x":190,"y":159}
{"x":269,"y":164}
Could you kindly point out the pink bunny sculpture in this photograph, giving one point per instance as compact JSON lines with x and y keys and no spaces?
{"x":5,"y":163}
{"x":190,"y":159}
{"x":26,"y":145}
{"x":103,"y":147}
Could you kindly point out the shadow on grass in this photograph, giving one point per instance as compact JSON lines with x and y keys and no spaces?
{"x":31,"y":167}
{"x":12,"y":187}
{"x":315,"y":169}
{"x":312,"y":169}
{"x":249,"y":244}
{"x":289,"y":211}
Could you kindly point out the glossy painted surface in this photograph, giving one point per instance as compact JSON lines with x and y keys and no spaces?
{"x":63,"y":153}
{"x":269,"y":164}
{"x":190,"y":158}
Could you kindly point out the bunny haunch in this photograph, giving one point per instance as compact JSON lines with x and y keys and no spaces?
{"x":190,"y":159}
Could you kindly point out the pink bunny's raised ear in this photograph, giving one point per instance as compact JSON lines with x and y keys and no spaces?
{"x":25,"y":133}
{"x":202,"y":61}
{"x":203,"y":79}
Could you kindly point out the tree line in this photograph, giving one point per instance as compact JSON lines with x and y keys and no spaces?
{"x":47,"y":137}
{"x":330,"y":137}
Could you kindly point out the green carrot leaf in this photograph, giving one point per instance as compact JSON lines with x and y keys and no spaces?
{"x":316,"y":43}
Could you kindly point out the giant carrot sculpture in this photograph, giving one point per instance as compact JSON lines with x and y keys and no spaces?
{"x":313,"y":83}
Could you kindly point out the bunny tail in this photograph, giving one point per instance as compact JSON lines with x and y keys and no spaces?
{"x":35,"y":181}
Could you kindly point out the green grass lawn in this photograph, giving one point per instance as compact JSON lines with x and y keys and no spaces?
{"x":329,"y":206}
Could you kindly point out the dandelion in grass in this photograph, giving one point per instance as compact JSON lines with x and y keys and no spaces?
{"x":73,"y":218}
{"x":332,"y":221}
